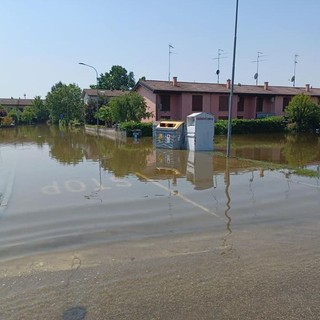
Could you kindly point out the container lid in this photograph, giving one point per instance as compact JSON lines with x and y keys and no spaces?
{"x":170,"y":124}
{"x":201,"y":115}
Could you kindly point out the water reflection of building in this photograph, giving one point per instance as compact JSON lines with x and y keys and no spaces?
{"x":200,"y":169}
{"x":272,"y":154}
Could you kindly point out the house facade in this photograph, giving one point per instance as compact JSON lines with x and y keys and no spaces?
{"x":176,"y":100}
{"x":14,"y":103}
{"x":91,"y":94}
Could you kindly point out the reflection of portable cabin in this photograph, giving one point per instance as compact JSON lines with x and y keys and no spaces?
{"x":169,"y":135}
{"x":200,"y":170}
{"x":200,"y":131}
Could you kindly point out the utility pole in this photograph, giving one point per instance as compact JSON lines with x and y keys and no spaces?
{"x":293,"y":79}
{"x":232,"y":82}
{"x":97,"y":80}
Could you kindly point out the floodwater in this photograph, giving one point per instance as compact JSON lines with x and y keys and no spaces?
{"x":95,"y":228}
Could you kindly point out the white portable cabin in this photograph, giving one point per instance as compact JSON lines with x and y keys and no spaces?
{"x":200,"y":131}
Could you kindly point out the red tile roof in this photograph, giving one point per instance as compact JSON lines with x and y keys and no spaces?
{"x":157,"y":86}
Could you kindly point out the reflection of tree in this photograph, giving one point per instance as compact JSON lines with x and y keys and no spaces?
{"x":118,"y":157}
{"x":126,"y":160}
{"x":66,"y":145}
{"x":24,"y":134}
{"x":66,"y":153}
{"x":301,"y":149}
{"x":70,"y":146}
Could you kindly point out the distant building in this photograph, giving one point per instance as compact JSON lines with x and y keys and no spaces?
{"x":176,"y":100}
{"x":91,"y":94}
{"x":14,"y":103}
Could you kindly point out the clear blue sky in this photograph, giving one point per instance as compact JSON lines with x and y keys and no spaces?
{"x":42,"y":41}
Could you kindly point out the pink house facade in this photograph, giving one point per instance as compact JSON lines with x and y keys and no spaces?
{"x":176,"y":100}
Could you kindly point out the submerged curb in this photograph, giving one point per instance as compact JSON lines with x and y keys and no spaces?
{"x":4,"y":200}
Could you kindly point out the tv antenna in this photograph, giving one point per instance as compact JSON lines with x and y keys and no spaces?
{"x":293,"y":79}
{"x":256,"y":75}
{"x":170,"y":52}
{"x":220,"y":52}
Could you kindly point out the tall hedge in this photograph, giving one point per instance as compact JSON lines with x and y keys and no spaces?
{"x":239,"y":126}
{"x":245,"y":126}
{"x":145,"y":127}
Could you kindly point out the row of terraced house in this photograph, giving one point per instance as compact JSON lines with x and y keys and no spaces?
{"x":175,"y":100}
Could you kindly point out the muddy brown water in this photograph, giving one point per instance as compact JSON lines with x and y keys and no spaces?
{"x":95,"y":228}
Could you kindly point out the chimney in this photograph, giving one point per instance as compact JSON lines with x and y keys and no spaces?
{"x":175,"y":81}
{"x":228,"y":84}
{"x":266,"y":86}
{"x":307,"y":87}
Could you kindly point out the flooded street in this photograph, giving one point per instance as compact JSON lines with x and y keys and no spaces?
{"x":94,"y":228}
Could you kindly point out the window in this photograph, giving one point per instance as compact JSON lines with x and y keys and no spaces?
{"x":223,"y":103}
{"x":259,"y":106}
{"x":196,"y":103}
{"x":285,"y":103}
{"x":165,"y":102}
{"x":240,"y":104}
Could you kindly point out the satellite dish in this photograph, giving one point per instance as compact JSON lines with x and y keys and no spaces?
{"x":293,"y":78}
{"x":255,"y":76}
{"x":218,"y":72}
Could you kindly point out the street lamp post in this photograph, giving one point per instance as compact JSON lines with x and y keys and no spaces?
{"x":97,"y":76}
{"x":232,"y":82}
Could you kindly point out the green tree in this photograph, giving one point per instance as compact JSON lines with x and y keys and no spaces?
{"x":105,"y":114}
{"x":303,"y":113}
{"x":64,"y":103}
{"x":129,"y":107}
{"x":41,"y":111}
{"x":15,"y":114}
{"x":90,"y":111}
{"x":3,"y":111}
{"x":117,"y":79}
{"x":57,"y":86}
{"x":28,"y":115}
